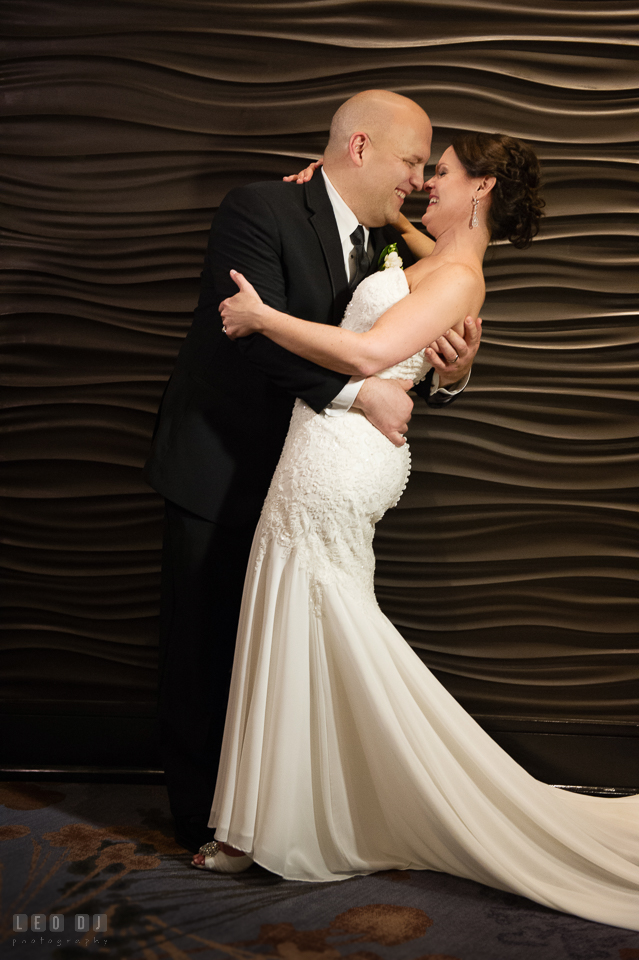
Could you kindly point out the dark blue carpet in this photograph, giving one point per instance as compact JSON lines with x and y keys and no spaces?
{"x":96,"y":850}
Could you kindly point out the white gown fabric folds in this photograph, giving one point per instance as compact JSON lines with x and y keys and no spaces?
{"x":342,"y":753}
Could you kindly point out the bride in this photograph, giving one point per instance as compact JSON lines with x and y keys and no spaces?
{"x":342,"y":754}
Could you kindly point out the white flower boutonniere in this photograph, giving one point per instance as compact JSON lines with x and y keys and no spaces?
{"x":389,"y":257}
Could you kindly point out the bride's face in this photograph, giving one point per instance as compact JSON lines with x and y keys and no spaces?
{"x":450,"y":195}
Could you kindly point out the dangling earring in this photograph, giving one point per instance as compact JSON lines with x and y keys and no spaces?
{"x":474,"y":220}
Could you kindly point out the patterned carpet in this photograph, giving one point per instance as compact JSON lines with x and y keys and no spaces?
{"x":106,"y":850}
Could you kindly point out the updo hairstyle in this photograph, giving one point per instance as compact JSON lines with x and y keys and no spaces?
{"x":516,"y":207}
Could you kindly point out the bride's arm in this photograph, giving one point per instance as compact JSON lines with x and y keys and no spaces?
{"x":418,"y":243}
{"x":437,"y":303}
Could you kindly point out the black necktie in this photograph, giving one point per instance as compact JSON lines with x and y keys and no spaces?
{"x":362,"y":262}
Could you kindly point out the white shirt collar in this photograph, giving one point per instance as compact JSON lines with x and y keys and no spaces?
{"x":346,"y":223}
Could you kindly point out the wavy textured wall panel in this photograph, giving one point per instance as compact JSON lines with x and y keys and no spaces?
{"x":510,"y":563}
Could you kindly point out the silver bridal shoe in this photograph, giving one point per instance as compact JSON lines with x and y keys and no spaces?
{"x":219,"y":862}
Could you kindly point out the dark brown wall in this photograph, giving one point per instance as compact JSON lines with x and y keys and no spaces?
{"x":510,"y":563}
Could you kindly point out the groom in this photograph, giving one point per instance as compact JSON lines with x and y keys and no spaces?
{"x":226,"y":409}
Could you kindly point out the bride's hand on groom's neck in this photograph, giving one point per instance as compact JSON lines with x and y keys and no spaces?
{"x":306,"y":174}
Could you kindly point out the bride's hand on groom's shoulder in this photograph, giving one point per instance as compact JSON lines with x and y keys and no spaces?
{"x":241,"y":314}
{"x":306,"y":174}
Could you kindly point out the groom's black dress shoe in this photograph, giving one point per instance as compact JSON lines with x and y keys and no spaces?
{"x":192,"y":832}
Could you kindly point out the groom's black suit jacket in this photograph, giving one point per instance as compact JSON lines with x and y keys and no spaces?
{"x":226,"y":409}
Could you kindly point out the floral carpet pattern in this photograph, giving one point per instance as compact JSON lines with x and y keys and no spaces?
{"x":105,"y":850}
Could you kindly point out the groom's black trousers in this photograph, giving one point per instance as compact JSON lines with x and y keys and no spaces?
{"x":203,"y":568}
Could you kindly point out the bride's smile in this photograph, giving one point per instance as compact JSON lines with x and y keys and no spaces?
{"x":450,"y":198}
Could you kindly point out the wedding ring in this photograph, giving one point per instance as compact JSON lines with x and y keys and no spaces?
{"x":223,"y":329}
{"x":455,"y":359}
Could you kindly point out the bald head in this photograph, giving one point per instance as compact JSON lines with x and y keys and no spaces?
{"x":378,"y":146}
{"x":373,"y":112}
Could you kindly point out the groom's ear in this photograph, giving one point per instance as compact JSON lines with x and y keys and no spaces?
{"x":356,"y":147}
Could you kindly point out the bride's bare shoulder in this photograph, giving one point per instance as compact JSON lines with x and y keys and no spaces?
{"x":429,"y":273}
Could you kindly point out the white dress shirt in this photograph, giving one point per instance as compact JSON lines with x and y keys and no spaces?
{"x":347,"y":222}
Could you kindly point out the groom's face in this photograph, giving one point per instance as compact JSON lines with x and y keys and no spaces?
{"x":394,"y":167}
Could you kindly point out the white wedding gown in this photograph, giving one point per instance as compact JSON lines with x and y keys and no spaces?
{"x":342,"y":753}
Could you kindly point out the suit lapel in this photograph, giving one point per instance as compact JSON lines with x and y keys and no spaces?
{"x":323,"y":222}
{"x":379,"y":241}
{"x":381,"y":237}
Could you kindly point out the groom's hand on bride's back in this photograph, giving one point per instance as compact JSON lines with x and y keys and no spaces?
{"x":386,"y":404}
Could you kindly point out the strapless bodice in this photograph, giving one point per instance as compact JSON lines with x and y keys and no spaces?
{"x":372,"y":298}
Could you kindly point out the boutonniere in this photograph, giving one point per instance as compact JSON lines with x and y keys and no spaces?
{"x":389,"y":257}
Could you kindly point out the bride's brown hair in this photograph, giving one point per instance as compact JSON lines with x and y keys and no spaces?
{"x":516,"y":207}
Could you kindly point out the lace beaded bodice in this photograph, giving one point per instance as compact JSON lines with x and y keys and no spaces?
{"x":337,"y":476}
